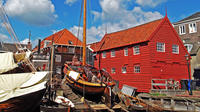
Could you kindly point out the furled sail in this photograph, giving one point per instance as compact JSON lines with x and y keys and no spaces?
{"x":13,"y":85}
{"x":7,"y":62}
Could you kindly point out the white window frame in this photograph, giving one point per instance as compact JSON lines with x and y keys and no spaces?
{"x":182,"y":29}
{"x":188,"y":47}
{"x":104,"y":54}
{"x":124,"y":69}
{"x":175,"y":49}
{"x":160,"y":47}
{"x":192,"y":27}
{"x":137,"y":69}
{"x":126,"y":51}
{"x":112,"y":53}
{"x":136,"y":50}
{"x":113,"y":70}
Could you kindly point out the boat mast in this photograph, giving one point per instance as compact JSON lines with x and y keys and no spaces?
{"x":84,"y":33}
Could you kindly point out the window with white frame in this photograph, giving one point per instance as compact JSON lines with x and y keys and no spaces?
{"x":113,"y":53}
{"x":47,"y":43}
{"x":175,"y":49}
{"x":123,"y":69}
{"x":71,"y":49}
{"x":188,"y":47}
{"x":113,"y":71}
{"x":126,"y":51}
{"x":136,"y":50}
{"x":192,"y":28}
{"x":182,"y":29}
{"x":137,"y":68}
{"x":104,"y":54}
{"x":160,"y":47}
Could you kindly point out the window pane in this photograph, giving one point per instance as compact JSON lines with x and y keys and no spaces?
{"x":137,"y":68}
{"x":175,"y":49}
{"x":136,"y":50}
{"x":123,"y":69}
{"x":113,"y":53}
{"x":113,"y":70}
{"x":160,"y":47}
{"x":104,"y":54}
{"x":126,"y":52}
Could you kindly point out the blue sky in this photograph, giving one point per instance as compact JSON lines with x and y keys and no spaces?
{"x":45,"y":17}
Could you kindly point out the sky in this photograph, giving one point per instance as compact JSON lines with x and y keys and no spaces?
{"x":44,"y":17}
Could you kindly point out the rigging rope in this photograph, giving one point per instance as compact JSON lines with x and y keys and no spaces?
{"x":12,"y":34}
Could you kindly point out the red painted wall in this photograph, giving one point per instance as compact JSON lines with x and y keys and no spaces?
{"x":153,"y":64}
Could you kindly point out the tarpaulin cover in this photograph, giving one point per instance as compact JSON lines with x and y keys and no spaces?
{"x":7,"y":62}
{"x":13,"y":85}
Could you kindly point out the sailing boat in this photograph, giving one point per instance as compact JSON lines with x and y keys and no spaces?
{"x":19,"y":91}
{"x":84,"y":78}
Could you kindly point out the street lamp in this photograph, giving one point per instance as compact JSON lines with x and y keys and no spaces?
{"x":189,"y":81}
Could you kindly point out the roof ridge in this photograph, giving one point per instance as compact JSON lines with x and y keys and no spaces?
{"x":190,"y":16}
{"x":135,"y":26}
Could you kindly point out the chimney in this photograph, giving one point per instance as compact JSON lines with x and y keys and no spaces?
{"x":29,"y":45}
{"x":39,"y":42}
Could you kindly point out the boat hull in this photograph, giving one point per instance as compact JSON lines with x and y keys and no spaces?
{"x":87,"y":88}
{"x":24,"y":103}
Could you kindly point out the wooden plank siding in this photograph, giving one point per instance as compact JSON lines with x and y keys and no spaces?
{"x":153,"y":64}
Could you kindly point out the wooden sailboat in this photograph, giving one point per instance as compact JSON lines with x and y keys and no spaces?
{"x":19,"y":91}
{"x":82,"y":77}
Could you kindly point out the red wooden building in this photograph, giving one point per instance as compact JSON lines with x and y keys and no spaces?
{"x":137,"y":55}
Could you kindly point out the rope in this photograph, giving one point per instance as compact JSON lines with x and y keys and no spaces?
{"x":12,"y":34}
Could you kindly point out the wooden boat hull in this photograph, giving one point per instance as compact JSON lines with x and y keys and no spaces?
{"x":25,"y":103}
{"x":87,"y":87}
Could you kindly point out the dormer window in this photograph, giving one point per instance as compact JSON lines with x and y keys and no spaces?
{"x":47,"y":43}
{"x":70,"y":42}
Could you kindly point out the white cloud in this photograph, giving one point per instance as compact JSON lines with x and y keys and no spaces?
{"x":150,"y":3}
{"x":25,"y":41}
{"x":115,"y":16}
{"x":37,"y":12}
{"x":70,"y":2}
{"x":33,"y":42}
{"x":3,"y":37}
{"x":92,"y":34}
